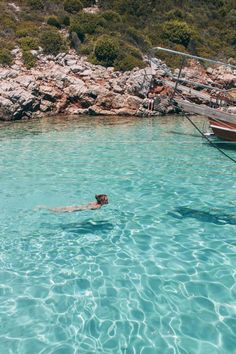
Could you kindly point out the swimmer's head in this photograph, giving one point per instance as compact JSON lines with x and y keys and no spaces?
{"x":102,"y":199}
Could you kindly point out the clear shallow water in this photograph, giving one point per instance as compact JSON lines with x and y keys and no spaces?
{"x":152,"y":272}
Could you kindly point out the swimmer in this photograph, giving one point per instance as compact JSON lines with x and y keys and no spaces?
{"x":102,"y":199}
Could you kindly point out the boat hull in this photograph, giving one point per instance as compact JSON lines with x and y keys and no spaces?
{"x":223,"y":130}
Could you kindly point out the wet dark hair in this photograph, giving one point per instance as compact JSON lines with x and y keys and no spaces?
{"x":102,"y":198}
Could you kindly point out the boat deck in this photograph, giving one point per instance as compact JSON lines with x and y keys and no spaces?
{"x":204,"y":110}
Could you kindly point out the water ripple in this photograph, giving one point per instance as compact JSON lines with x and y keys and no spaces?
{"x":152,"y":272}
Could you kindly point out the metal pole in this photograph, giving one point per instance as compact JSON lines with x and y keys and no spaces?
{"x":198,"y":84}
{"x":177,"y":81}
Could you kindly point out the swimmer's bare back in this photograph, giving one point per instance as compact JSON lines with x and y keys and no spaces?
{"x":101,"y":199}
{"x":70,"y":209}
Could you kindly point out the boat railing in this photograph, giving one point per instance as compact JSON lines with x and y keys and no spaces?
{"x":222,"y":96}
{"x":190,"y":56}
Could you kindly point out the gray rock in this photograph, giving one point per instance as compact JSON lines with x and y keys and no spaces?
{"x":118,"y":89}
{"x":18,"y":104}
{"x":7,"y":73}
{"x":133,"y":102}
{"x":87,"y":72}
{"x":97,"y":110}
{"x":139,"y":82}
{"x":125,"y":112}
{"x":15,"y":51}
{"x":49,"y":93}
{"x":45,"y":106}
{"x":34,"y":52}
{"x":232,"y":110}
{"x":73,"y":80}
{"x":209,"y":71}
{"x":93,"y":91}
{"x":6,"y":86}
{"x":76,"y":68}
{"x":76,"y":91}
{"x":25,"y":80}
{"x":118,"y":101}
{"x":70,"y":62}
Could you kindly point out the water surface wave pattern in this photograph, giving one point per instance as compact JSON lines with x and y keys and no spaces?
{"x":152,"y":272}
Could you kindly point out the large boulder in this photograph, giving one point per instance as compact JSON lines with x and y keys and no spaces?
{"x":133,"y":103}
{"x":17,"y":104}
{"x":49,"y":92}
{"x":6,"y":109}
{"x":139,"y":82}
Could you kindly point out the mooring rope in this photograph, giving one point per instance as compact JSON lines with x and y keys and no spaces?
{"x":187,"y":116}
{"x":209,"y":140}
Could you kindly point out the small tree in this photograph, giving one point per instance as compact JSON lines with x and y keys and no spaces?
{"x":106,"y":50}
{"x":76,"y":27}
{"x":75,"y":41}
{"x":53,"y":21}
{"x":36,"y":4}
{"x":73,"y":6}
{"x":28,"y":43}
{"x":27,"y":28}
{"x":28,"y":59}
{"x":64,"y":20}
{"x":6,"y":57}
{"x":177,"y":32}
{"x":128,"y":63}
{"x":51,"y":42}
{"x":88,"y":3}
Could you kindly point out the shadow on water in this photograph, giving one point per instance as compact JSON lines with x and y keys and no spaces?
{"x":204,"y":216}
{"x":186,"y":134}
{"x":85,"y":227}
{"x":226,"y":145}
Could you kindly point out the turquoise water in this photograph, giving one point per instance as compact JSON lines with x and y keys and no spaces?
{"x":152,"y":272}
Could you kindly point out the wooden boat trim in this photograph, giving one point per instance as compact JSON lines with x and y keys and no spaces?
{"x":222,"y":128}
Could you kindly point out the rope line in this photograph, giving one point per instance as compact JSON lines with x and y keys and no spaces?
{"x":185,"y":114}
{"x":209,"y":140}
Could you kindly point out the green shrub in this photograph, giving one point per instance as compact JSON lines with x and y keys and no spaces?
{"x":64,"y":20}
{"x":137,"y":38}
{"x":51,"y":42}
{"x":77,"y":28}
{"x":53,"y":21}
{"x":28,"y":59}
{"x":110,"y":20}
{"x":134,"y":52}
{"x":174,"y":14}
{"x":35,"y":4}
{"x":111,"y":16}
{"x":6,"y":44}
{"x":177,"y":32}
{"x":74,"y":41}
{"x":128,"y":63}
{"x":88,"y":3}
{"x":231,"y":18}
{"x":106,"y":50}
{"x":29,"y":43}
{"x":73,"y":6}
{"x":6,"y":58}
{"x":233,"y":40}
{"x":7,"y":23}
{"x":137,"y":8}
{"x":87,"y":22}
{"x":88,"y":49}
{"x":27,"y":28}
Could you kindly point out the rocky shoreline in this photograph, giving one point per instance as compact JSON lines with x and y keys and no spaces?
{"x":69,"y":84}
